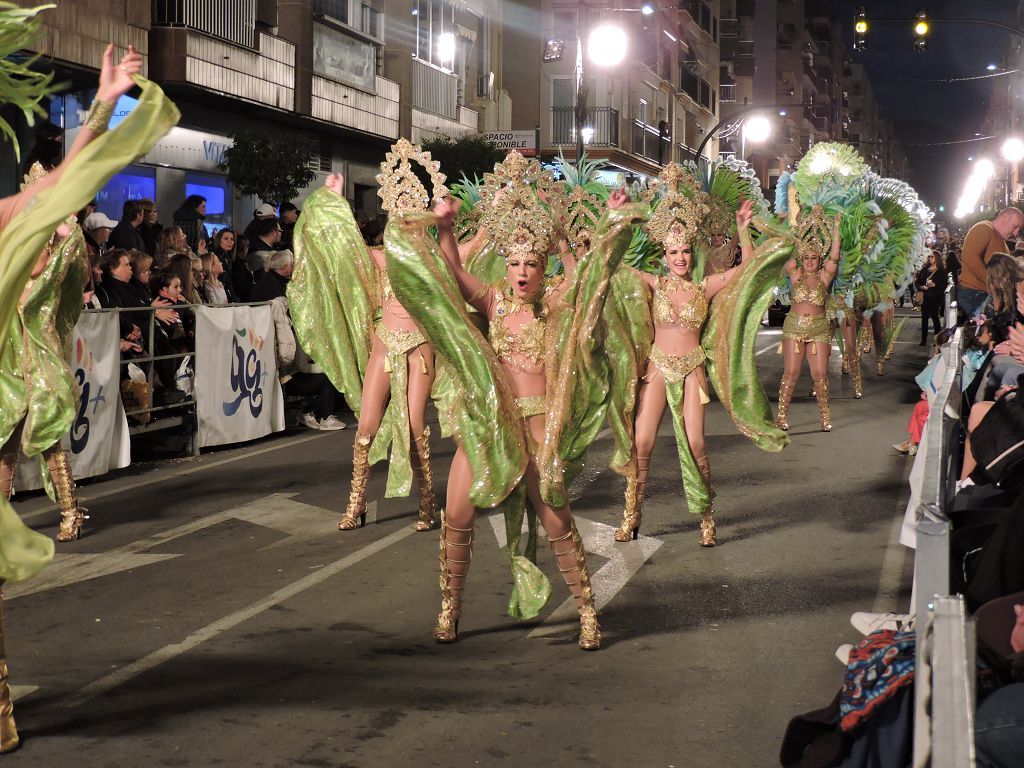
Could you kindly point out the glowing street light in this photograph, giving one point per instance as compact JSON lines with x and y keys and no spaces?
{"x":984,"y":169}
{"x":757,"y":129}
{"x":1013,"y":150}
{"x":587,"y":132}
{"x":607,"y":45}
{"x":446,"y":47}
{"x":646,"y":9}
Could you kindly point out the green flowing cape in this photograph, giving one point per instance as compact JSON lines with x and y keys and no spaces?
{"x":22,"y":551}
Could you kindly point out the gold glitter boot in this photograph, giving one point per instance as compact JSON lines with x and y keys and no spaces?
{"x":636,"y":488}
{"x":9,"y":740}
{"x":8,"y":463}
{"x":858,"y":379}
{"x":572,"y":562}
{"x":708,"y":530}
{"x":425,"y":480}
{"x":456,"y":552}
{"x":826,"y":415}
{"x":785,"y":395}
{"x":355,"y":512}
{"x":72,"y":516}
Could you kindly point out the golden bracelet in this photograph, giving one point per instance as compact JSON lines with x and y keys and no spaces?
{"x":98,"y":117}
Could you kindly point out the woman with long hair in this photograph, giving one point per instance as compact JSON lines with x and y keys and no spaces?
{"x":170,"y":242}
{"x":1004,"y":279}
{"x":214,"y":291}
{"x":931,"y":283}
{"x":224,"y":246}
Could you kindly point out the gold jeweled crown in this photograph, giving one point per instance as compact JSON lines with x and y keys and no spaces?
{"x":681,"y":209}
{"x":400,"y":191}
{"x":519,"y":224}
{"x":813,"y":231}
{"x":35,"y":173}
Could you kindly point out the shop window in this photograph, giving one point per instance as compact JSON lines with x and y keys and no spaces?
{"x":133,"y":183}
{"x":218,"y":199}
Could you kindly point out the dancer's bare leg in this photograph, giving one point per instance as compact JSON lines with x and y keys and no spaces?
{"x":421,"y":380}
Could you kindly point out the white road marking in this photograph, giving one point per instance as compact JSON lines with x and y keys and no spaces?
{"x":21,"y":691}
{"x":157,"y":475}
{"x":232,"y":620}
{"x":278,"y":511}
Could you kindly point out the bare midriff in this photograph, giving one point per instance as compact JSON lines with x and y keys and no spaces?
{"x":392,"y":314}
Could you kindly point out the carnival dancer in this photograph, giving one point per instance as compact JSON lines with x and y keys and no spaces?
{"x":527,"y":395}
{"x":347,"y":318}
{"x":26,"y":230}
{"x":675,"y":374}
{"x":806,"y":332}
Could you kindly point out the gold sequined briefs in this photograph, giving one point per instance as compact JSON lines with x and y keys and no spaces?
{"x":399,"y":341}
{"x":807,"y":328}
{"x":534,"y":405}
{"x":675,"y":368}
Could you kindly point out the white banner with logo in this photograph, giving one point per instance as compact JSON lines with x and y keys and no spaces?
{"x":238,"y":394}
{"x":98,"y":440}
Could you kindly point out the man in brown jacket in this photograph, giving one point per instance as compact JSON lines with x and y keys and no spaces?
{"x":984,"y":239}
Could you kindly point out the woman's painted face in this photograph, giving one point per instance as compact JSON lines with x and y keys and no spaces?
{"x":227,"y":241}
{"x":679,"y":259}
{"x":525,"y":275}
{"x":123,"y":270}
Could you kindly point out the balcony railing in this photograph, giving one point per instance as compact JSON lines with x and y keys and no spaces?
{"x":647,"y":142}
{"x":435,"y":90}
{"x":727,"y":93}
{"x":231,"y":20}
{"x":604,"y":121}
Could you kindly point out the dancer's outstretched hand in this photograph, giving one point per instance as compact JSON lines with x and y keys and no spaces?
{"x":447,"y":209}
{"x":115,"y":81}
{"x":744,"y":214}
{"x":618,"y":198}
{"x":336,"y":183}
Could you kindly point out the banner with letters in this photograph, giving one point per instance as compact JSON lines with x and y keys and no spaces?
{"x":98,"y":440}
{"x":237,"y":390}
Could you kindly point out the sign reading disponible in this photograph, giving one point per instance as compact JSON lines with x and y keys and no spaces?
{"x":238,"y":394}
{"x":98,"y":440}
{"x":523,"y":141}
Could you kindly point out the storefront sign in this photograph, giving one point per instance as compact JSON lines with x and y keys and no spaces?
{"x":523,"y":141}
{"x":189,"y":150}
{"x":98,"y":440}
{"x":238,"y":394}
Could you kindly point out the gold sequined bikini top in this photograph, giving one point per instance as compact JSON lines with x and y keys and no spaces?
{"x":527,"y":341}
{"x":815,"y":295}
{"x":691,"y":314}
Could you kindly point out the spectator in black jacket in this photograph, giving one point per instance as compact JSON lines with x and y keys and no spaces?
{"x":289,"y":215}
{"x":931,"y":281}
{"x":190,"y":218}
{"x":274,"y":282}
{"x":151,"y":228}
{"x":126,"y":234}
{"x":245,"y":274}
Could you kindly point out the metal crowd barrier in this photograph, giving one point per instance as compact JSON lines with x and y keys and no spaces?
{"x":185,"y":411}
{"x":944,"y":680}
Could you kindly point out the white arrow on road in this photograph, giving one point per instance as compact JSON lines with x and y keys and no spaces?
{"x":624,"y":560}
{"x":21,"y":691}
{"x":278,"y":511}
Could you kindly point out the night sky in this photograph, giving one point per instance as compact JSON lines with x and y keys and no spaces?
{"x":934,"y":112}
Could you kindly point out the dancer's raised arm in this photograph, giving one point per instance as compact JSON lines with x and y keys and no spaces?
{"x":475,"y":292}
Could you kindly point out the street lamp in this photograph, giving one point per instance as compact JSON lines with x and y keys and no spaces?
{"x":1013,"y":150}
{"x":756,"y":129}
{"x":607,"y":45}
{"x":446,"y":48}
{"x":985,"y":169}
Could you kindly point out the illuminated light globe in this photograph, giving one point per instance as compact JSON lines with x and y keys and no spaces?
{"x":757,"y":129}
{"x":921,"y":28}
{"x":587,"y":133}
{"x":446,"y":47}
{"x":607,"y":46}
{"x":1013,"y":150}
{"x":984,"y":168}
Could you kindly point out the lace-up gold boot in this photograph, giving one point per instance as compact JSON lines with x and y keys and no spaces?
{"x":708,"y":530}
{"x":846,"y":366}
{"x":572,"y":562}
{"x":858,"y":379}
{"x":826,"y":415}
{"x":425,"y":480}
{"x":72,"y":516}
{"x":636,"y":488}
{"x":9,"y":740}
{"x":355,"y":513}
{"x":456,"y":552}
{"x":785,"y":395}
{"x":8,"y":462}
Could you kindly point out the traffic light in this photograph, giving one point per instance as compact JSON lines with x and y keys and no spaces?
{"x":860,"y":29}
{"x":921,"y":29}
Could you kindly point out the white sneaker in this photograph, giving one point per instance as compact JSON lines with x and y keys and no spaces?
{"x":866,"y":623}
{"x":309,"y":420}
{"x":843,"y":653}
{"x":331,"y":423}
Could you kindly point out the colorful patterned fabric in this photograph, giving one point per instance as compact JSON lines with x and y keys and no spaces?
{"x":880,"y":664}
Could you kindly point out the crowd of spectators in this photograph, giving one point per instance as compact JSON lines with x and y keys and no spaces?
{"x":144,"y":268}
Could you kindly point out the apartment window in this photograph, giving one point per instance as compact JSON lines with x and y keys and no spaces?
{"x":563,"y":93}
{"x":564,"y":26}
{"x":435,"y":21}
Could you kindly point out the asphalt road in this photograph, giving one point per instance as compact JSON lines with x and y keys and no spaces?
{"x":214,"y":616}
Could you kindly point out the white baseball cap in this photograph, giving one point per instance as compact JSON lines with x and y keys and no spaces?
{"x":98,"y":220}
{"x":265,"y":211}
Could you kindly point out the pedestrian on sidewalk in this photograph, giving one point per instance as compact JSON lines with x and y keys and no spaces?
{"x":931,"y":289}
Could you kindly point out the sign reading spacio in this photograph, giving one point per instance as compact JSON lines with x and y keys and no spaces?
{"x":524,"y":141}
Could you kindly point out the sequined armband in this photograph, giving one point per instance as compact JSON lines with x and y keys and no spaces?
{"x":99,"y":116}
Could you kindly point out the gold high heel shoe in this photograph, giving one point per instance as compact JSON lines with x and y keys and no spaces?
{"x":577,"y":578}
{"x":425,"y":479}
{"x":454,"y":565}
{"x":9,"y":739}
{"x":72,"y":516}
{"x":880,"y":366}
{"x":8,"y":461}
{"x":636,"y":488}
{"x":708,"y":531}
{"x":826,"y":415}
{"x":355,"y":513}
{"x":785,"y":395}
